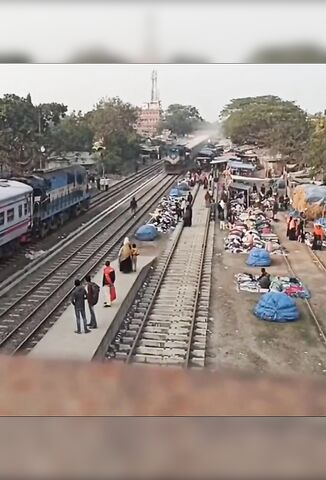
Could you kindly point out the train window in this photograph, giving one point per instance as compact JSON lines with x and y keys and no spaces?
{"x":2,"y":218}
{"x":79,"y":179}
{"x":25,"y":208}
{"x":10,"y":214}
{"x":20,"y":211}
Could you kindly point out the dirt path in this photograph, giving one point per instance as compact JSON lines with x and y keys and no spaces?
{"x":239,"y":340}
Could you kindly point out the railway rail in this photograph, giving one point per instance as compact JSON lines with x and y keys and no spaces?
{"x":319,"y":326}
{"x":99,"y":202}
{"x":167,"y":323}
{"x":120,"y":187}
{"x":27,"y":312}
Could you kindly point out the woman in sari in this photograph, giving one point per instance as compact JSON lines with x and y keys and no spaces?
{"x":125,"y":257}
{"x":108,"y":282}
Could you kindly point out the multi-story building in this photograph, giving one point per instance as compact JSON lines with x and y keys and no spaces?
{"x":150,"y":113}
{"x":149,"y":119}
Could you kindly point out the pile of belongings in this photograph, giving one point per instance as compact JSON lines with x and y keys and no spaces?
{"x":277,"y":307}
{"x":246,"y":282}
{"x":255,"y":225}
{"x":184,"y":186}
{"x":176,"y":192}
{"x":146,"y":233}
{"x":165,"y":217}
{"x":259,"y":258}
{"x":291,"y":286}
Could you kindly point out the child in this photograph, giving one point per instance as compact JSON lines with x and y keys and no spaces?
{"x":134,"y":255}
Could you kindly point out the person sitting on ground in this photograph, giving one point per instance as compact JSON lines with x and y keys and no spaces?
{"x":264,"y":280}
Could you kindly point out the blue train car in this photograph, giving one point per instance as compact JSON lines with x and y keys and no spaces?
{"x":59,"y":194}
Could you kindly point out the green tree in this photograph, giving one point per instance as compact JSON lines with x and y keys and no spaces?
{"x":317,"y":146}
{"x":113,"y":124}
{"x":24,"y":128}
{"x":270,"y":122}
{"x":181,"y":119}
{"x":72,"y":133}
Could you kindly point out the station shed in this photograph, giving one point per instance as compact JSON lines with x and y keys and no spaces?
{"x":241,"y":168}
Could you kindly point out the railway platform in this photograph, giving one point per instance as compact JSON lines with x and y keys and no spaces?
{"x":60,"y":342}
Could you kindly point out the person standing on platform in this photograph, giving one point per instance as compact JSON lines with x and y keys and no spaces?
{"x":318,"y":237}
{"x":93,"y":291}
{"x":292,"y":229}
{"x":183,"y":206}
{"x":78,"y":298}
{"x":190,"y":198}
{"x":108,"y":282}
{"x":134,"y":255}
{"x":125,"y":262}
{"x":187,"y":217}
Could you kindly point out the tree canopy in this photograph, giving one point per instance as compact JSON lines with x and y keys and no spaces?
{"x":113,"y":124}
{"x":24,"y":128}
{"x":317,"y":146}
{"x":270,"y":122}
{"x":181,"y":119}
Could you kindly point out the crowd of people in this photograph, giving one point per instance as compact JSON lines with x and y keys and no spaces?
{"x":90,"y":292}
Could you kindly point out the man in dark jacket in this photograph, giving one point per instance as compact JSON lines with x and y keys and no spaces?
{"x":92,"y":297}
{"x":133,"y":206}
{"x":78,"y":298}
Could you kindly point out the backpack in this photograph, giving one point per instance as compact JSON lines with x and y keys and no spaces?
{"x":95,"y":293}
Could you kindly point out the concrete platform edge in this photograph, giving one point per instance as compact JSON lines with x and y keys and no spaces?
{"x":121,"y":313}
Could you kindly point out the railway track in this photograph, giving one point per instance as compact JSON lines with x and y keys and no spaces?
{"x":167,"y":324}
{"x":99,"y":202}
{"x":102,"y":198}
{"x":27,"y":312}
{"x":319,"y":326}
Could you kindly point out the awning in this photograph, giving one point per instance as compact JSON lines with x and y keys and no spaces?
{"x":241,"y":178}
{"x":241,"y":166}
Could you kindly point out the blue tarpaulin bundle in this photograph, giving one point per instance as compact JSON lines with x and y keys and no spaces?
{"x":176,"y":192}
{"x":146,"y":233}
{"x":183,"y":186}
{"x":259,"y":257}
{"x":277,"y":307}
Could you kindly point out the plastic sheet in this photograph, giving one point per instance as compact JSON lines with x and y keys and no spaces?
{"x":277,"y":307}
{"x":259,"y":258}
{"x":146,"y":233}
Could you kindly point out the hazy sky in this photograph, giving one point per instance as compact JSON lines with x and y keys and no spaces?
{"x":209,"y":87}
{"x":219,"y":31}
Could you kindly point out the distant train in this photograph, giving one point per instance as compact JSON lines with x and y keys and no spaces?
{"x":178,"y":156}
{"x":34,"y":205}
{"x":176,"y":159}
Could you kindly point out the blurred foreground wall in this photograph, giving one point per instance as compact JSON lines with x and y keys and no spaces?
{"x":30,"y":387}
{"x":148,"y":447}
